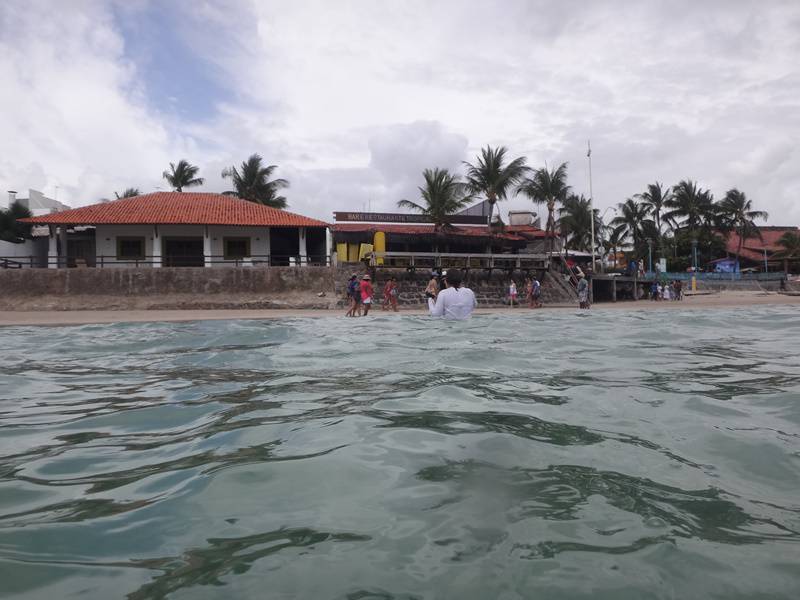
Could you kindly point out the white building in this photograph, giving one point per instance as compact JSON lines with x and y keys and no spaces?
{"x":182,"y":229}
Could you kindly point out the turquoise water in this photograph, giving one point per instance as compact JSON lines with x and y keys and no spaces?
{"x":651,"y":454}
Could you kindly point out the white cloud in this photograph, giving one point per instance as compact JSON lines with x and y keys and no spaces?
{"x":354,"y":99}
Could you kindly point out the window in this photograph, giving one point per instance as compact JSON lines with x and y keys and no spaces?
{"x":130,"y":248}
{"x":236,"y":248}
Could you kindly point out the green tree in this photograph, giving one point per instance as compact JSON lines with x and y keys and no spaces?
{"x":128,"y":193}
{"x":790,"y":244}
{"x":656,"y":198}
{"x":182,"y":175}
{"x":615,"y":241}
{"x":631,"y":222}
{"x":692,"y":205}
{"x":736,"y":212}
{"x":493,"y":177}
{"x":442,"y":196}
{"x":11,"y":230}
{"x":575,"y":224}
{"x":547,"y":187}
{"x":252,"y":182}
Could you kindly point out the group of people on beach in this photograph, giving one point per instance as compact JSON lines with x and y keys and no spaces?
{"x":672,"y":290}
{"x":532,"y":288}
{"x":360,"y":295}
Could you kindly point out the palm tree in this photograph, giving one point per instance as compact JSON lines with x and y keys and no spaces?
{"x":10,"y":229}
{"x":737,"y":214}
{"x":253,"y":183}
{"x":790,"y":241}
{"x":547,"y":187}
{"x":182,"y":175}
{"x":656,"y":198}
{"x":616,"y":239}
{"x":631,"y":221}
{"x":443,"y":196}
{"x":128,"y":193}
{"x":575,"y":225}
{"x":492,"y":177}
{"x":692,"y":204}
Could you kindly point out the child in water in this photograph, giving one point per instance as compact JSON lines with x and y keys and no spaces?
{"x":512,"y":293}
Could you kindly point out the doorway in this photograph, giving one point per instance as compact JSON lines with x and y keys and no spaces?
{"x":183,"y":252}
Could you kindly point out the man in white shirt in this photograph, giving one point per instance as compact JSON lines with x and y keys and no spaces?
{"x":455,"y":302}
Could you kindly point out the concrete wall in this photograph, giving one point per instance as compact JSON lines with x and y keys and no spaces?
{"x":32,"y":283}
{"x":106,"y":238}
{"x":490,"y":290}
{"x":36,"y":247}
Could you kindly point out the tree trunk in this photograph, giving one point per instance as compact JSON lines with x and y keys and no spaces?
{"x":551,"y":224}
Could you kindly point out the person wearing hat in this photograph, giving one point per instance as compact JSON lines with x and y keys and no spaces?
{"x":354,"y":296}
{"x":455,"y":302}
{"x":583,"y":291}
{"x":366,"y":293}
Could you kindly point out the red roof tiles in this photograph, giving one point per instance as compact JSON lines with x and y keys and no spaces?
{"x":753,"y":248}
{"x":178,"y":208}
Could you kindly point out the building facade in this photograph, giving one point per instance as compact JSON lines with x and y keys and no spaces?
{"x":182,"y":229}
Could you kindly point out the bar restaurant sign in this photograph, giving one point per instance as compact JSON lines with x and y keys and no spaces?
{"x":370,"y":217}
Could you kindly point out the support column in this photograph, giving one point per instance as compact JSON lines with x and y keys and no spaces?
{"x":302,"y":247}
{"x":207,"y":246}
{"x":62,"y":246}
{"x":613,"y":289}
{"x":52,"y":248}
{"x":156,"y":248}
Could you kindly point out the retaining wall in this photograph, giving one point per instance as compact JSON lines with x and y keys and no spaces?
{"x":490,"y":289}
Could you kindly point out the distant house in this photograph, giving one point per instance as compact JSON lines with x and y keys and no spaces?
{"x":756,"y":250}
{"x":175,"y":229}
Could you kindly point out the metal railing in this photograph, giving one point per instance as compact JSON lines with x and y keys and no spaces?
{"x":105,"y":261}
{"x":466,"y":261}
{"x":8,"y":263}
{"x":712,"y":276}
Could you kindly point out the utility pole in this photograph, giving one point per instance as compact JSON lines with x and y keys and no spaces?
{"x":591,"y":197}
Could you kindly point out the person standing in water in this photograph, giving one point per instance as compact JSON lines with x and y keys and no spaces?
{"x":366,"y":293}
{"x":433,"y":288}
{"x":536,"y":293}
{"x":353,"y":296}
{"x":390,"y":294}
{"x":583,"y":292}
{"x":454,"y":303}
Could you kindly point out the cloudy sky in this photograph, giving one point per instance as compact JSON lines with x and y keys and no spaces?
{"x":353,"y":99}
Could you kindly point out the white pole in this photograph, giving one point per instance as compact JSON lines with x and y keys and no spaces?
{"x":591,"y":198}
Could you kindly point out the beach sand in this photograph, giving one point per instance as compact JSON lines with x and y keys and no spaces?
{"x":728,"y":299}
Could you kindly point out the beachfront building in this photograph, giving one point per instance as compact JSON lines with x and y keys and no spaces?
{"x":355,"y":233}
{"x":758,"y":252}
{"x":182,"y":229}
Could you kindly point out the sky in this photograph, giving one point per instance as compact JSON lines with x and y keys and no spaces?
{"x":353,"y":99}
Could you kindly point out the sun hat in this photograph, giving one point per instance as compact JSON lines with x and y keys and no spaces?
{"x":366,"y":277}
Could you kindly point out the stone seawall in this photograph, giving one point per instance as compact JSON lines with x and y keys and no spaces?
{"x":490,"y":289}
{"x":185,"y":287}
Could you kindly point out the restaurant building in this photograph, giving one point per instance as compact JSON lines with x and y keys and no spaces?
{"x":182,"y":229}
{"x":356,"y":232}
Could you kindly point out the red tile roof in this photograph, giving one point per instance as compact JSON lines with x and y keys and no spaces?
{"x":753,"y":248}
{"x":177,"y":208}
{"x":528,"y":231}
{"x":421,"y":230}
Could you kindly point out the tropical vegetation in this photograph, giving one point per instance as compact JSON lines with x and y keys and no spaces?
{"x":253,"y":181}
{"x":548,"y":187}
{"x":130,"y":192}
{"x":11,"y":230}
{"x":443,"y":195}
{"x":182,"y":175}
{"x":575,"y":223}
{"x":494,"y":176}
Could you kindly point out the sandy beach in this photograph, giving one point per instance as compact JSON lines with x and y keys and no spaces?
{"x":84,"y":317}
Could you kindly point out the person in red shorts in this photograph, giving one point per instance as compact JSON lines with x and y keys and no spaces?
{"x":366,"y":293}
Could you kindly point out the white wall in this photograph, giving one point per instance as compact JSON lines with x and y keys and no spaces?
{"x":36,"y":247}
{"x":106,"y":238}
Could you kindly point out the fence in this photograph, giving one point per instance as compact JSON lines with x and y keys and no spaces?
{"x":101,"y":261}
{"x":436,"y":260}
{"x":702,"y":276}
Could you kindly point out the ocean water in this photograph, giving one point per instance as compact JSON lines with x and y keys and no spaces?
{"x":639,"y":454}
